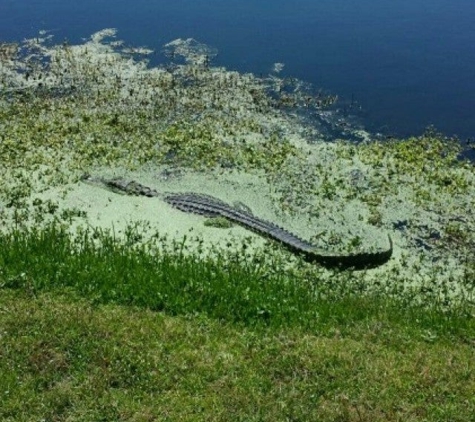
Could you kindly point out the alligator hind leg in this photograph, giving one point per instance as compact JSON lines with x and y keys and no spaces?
{"x":240,"y":206}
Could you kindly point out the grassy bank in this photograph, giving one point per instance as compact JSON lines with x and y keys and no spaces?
{"x":252,"y":289}
{"x":94,"y":328}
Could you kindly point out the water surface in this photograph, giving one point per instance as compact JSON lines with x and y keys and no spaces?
{"x":408,"y":64}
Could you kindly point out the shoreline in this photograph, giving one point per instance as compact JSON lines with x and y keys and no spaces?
{"x":193,"y":127}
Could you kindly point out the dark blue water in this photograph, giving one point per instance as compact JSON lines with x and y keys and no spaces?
{"x":408,"y":63}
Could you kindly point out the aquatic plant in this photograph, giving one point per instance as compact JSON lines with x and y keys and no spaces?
{"x":67,"y":108}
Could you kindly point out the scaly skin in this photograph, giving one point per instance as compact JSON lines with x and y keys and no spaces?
{"x":212,"y":207}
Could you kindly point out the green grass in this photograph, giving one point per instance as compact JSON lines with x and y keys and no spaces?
{"x":64,"y":359}
{"x":231,"y":285}
{"x":97,"y":328}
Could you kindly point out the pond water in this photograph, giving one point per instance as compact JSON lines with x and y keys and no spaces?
{"x":406,"y":64}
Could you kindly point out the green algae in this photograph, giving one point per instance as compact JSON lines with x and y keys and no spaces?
{"x":65,"y":110}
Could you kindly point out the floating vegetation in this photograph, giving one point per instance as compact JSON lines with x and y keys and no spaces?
{"x":66,"y":109}
{"x":99,"y":103}
{"x":192,"y":51}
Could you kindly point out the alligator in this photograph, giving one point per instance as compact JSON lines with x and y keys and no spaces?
{"x":210,"y":206}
